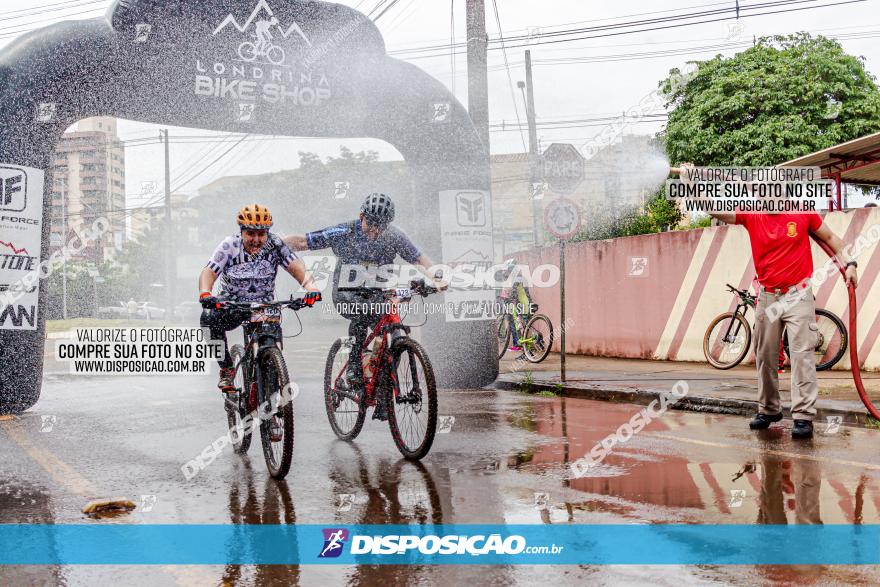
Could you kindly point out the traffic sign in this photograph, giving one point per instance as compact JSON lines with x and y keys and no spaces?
{"x":562,"y":218}
{"x":563,"y":167}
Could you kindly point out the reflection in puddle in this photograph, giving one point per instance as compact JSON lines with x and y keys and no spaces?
{"x":694,"y":480}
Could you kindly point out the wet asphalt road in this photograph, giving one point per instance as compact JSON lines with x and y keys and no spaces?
{"x":94,"y":437}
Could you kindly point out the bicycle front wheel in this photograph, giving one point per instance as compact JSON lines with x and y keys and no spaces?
{"x":727,"y":340}
{"x":833,"y":339}
{"x":411,"y":396}
{"x":346,"y":407}
{"x":538,"y":338}
{"x":240,"y":427}
{"x":276,"y":412}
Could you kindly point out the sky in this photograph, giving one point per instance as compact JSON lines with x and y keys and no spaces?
{"x":578,"y":81}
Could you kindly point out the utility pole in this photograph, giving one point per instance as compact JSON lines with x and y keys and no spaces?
{"x":63,"y":243}
{"x":478,"y":76}
{"x":169,"y":259}
{"x":530,"y":105}
{"x":536,"y":167}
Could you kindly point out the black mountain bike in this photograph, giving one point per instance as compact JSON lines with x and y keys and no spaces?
{"x":729,"y":337}
{"x":262,"y":385}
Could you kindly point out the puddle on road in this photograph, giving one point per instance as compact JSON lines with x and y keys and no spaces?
{"x":697,"y":468}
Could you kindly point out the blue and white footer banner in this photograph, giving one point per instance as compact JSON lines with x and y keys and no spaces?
{"x":637,"y":544}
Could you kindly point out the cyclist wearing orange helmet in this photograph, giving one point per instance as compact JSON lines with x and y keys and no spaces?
{"x":246,"y":264}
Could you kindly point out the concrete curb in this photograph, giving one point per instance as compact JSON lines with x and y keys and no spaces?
{"x":706,"y":404}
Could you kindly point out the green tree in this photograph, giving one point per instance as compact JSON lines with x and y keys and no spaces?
{"x":781,"y":99}
{"x":657,"y":215}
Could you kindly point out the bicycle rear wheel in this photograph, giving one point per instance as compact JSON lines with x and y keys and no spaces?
{"x":537,"y":339}
{"x":410,"y":391}
{"x":240,"y":427}
{"x":276,"y":422}
{"x":727,"y":340}
{"x":346,"y":408}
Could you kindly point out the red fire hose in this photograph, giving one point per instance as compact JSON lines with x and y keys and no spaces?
{"x":853,"y":337}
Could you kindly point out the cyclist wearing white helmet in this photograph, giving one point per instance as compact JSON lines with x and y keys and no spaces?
{"x":368,"y":241}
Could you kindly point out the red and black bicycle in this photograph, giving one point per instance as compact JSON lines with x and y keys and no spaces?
{"x":396,"y":372}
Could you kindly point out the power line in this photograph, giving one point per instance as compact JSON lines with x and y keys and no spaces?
{"x":612,"y":26}
{"x":403,"y":16}
{"x":509,"y":77}
{"x":15,"y":30}
{"x":389,"y":7}
{"x":403,"y":47}
{"x":637,"y":56}
{"x":226,"y":152}
{"x":23,"y":13}
{"x":376,"y":8}
{"x":608,"y":30}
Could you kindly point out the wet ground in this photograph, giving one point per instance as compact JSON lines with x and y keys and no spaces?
{"x":99,"y":437}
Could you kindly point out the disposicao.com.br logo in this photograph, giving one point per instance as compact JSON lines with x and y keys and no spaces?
{"x":431,"y":544}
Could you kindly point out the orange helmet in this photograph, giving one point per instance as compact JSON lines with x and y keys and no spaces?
{"x":255,"y":217}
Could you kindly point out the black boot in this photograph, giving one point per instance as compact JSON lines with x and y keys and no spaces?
{"x":802,"y":429}
{"x":763,"y":421}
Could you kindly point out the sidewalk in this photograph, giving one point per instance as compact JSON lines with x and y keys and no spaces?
{"x":710,"y":390}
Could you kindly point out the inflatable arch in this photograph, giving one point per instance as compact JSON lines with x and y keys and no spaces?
{"x":274,"y":67}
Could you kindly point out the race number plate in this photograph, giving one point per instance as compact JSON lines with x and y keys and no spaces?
{"x":270,"y":315}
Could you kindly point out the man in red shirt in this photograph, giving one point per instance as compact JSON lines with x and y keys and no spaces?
{"x":783,"y":262}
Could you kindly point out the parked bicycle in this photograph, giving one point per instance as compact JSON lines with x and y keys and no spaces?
{"x":531,"y":332}
{"x":262,"y":381}
{"x":396,"y":372}
{"x":728,"y":338}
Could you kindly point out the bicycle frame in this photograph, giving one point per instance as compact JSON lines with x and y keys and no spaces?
{"x":745,"y":302}
{"x":381,"y":357}
{"x":518,"y":326}
{"x":257,"y":337}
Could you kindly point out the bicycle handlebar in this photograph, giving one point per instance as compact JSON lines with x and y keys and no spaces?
{"x":416,"y":286}
{"x":293,"y":304}
{"x":742,"y":293}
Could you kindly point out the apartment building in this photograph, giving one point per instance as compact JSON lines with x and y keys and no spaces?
{"x":89,"y":183}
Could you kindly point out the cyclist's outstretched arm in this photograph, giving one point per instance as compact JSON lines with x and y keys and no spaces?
{"x":424,"y":263}
{"x":297,"y":242}
{"x":206,"y":280}
{"x":298,"y":270}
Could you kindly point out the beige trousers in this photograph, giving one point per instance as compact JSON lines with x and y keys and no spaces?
{"x":796,"y":314}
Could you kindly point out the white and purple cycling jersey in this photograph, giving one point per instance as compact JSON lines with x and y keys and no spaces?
{"x":245,"y":277}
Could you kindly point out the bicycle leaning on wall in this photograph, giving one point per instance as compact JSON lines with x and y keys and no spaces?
{"x":728,"y":338}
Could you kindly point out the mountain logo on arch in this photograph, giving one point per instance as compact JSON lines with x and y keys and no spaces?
{"x":266,"y":30}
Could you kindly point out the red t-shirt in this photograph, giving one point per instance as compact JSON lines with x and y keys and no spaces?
{"x":781,"y":246}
